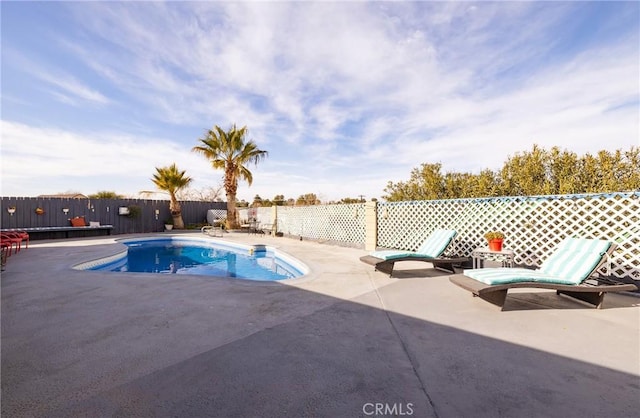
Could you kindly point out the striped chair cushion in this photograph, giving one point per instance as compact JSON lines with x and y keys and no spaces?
{"x":432,"y":247}
{"x":499,"y":275}
{"x":584,"y":244}
{"x":436,"y":243}
{"x":575,"y":258}
{"x":391,"y":254}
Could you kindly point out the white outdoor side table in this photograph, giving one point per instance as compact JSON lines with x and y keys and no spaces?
{"x":484,"y":253}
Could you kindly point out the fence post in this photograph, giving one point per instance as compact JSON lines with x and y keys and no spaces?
{"x":370,"y":226}
{"x":274,"y":219}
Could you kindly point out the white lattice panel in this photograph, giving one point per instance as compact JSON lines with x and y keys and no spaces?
{"x":263,"y":215}
{"x":214,"y":214}
{"x":342,"y":224}
{"x":533,"y":225}
{"x":243,"y":214}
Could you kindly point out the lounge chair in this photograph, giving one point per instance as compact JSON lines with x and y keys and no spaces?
{"x":431,"y":251}
{"x":568,"y":271}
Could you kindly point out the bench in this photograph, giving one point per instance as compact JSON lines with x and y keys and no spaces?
{"x":50,"y":232}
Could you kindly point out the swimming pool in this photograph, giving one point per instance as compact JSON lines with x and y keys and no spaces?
{"x":201,"y":257}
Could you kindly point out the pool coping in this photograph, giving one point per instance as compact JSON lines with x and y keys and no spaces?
{"x":295,"y":263}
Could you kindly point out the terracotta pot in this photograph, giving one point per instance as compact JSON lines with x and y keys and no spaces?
{"x":495,"y":245}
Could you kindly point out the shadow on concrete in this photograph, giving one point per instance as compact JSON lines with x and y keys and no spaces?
{"x":518,"y":299}
{"x":97,"y":344}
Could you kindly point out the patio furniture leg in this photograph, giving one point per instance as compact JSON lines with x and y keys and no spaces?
{"x":496,"y":298}
{"x":444,"y":266}
{"x":594,"y":298}
{"x":385,"y":267}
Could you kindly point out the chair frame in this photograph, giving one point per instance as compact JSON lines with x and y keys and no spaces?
{"x":441,"y":262}
{"x":386,"y":266}
{"x":212,"y":231}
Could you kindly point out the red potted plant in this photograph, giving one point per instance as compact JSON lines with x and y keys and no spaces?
{"x":494,"y":238}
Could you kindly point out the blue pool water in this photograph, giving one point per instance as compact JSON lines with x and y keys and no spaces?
{"x":202,"y":257}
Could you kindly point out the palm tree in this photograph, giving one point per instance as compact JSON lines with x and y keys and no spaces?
{"x":172,"y":180}
{"x":229,"y":151}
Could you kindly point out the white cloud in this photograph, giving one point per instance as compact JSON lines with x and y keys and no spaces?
{"x":344,"y":96}
{"x":89,"y":162}
{"x":60,"y":84}
{"x":75,"y":88}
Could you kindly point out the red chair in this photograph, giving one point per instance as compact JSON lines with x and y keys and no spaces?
{"x":6,"y":239}
{"x":4,"y":252}
{"x":24,"y":235}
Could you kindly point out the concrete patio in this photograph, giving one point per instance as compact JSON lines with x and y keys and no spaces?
{"x":343,"y":342}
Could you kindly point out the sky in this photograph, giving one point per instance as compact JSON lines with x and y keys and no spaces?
{"x":344,"y":96}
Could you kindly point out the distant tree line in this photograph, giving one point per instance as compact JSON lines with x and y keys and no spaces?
{"x":537,"y":172}
{"x":205,"y":194}
{"x":211,"y":194}
{"x":307,"y":199}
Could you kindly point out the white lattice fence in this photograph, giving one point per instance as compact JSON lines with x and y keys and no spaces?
{"x":341,"y":224}
{"x":215,"y":214}
{"x":263,"y":215}
{"x":533,"y":225}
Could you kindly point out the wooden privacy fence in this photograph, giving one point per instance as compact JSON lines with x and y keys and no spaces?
{"x":144,"y":215}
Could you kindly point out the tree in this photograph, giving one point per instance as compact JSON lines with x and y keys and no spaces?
{"x":619,"y":171}
{"x":309,"y":199}
{"x":205,"y":194}
{"x":348,"y":200}
{"x":172,"y":180}
{"x":563,"y":167}
{"x":535,"y":172}
{"x":257,"y":201}
{"x":228,"y":151}
{"x":458,"y":185}
{"x":104,"y":194}
{"x":426,"y":183}
{"x":485,"y":184}
{"x":279,"y":200}
{"x":630,"y":170}
{"x":525,"y":174}
{"x":539,"y":172}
